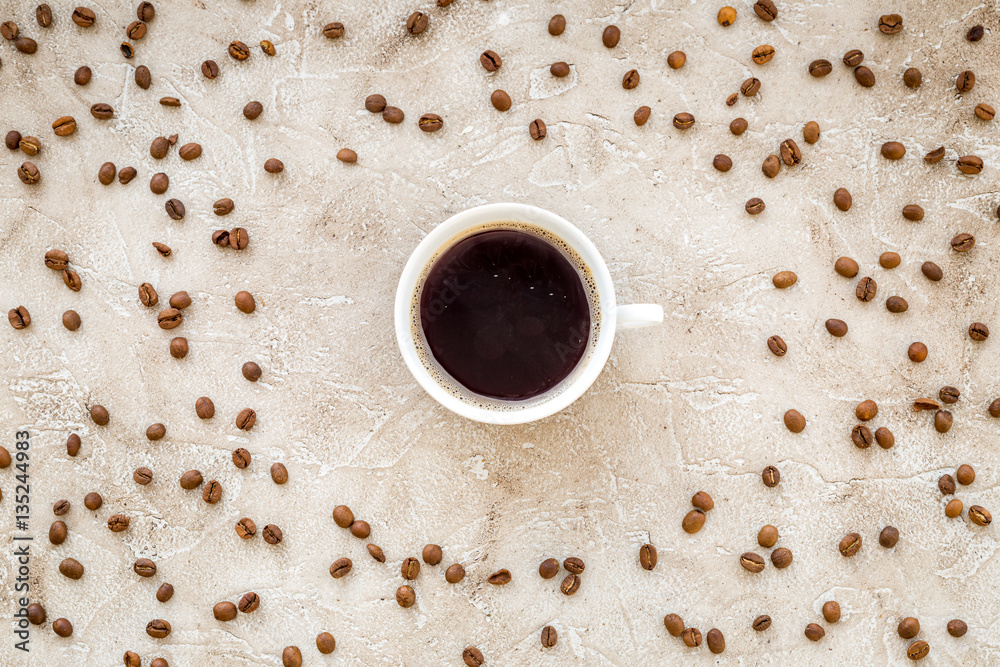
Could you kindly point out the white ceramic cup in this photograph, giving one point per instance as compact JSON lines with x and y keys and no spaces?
{"x":608,"y":318}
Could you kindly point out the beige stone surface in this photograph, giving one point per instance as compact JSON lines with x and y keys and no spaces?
{"x":694,"y":404}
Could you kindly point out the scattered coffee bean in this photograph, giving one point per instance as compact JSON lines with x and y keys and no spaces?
{"x":861,"y":436}
{"x":537,"y":129}
{"x":557,"y":24}
{"x":376,"y":552}
{"x":473,"y":657}
{"x":274,"y":166}
{"x":191,"y":479}
{"x":279,"y":474}
{"x":794,"y":421}
{"x":82,"y":76}
{"x":762,"y":54}
{"x":975,"y":33}
{"x":842,"y":199}
{"x":375,"y":103}
{"x":84,"y":17}
{"x":416,"y":23}
{"x":965,"y":474}
{"x":784,"y":279}
{"x":980,"y":515}
{"x":238,"y":50}
{"x":498,"y":578}
{"x":62,"y":627}
{"x":244,"y":300}
{"x":246,"y":419}
{"x":13,"y":140}
{"x":611,"y":36}
{"x":702,"y":501}
{"x":430,"y":122}
{"x":925,"y":404}
{"x":333,"y":30}
{"x":766,"y":10}
{"x":750,"y":87}
{"x":896,"y":304}
{"x":716,"y":641}
{"x":761,"y":623}
{"x":500,"y":100}
{"x":969,"y":164}
{"x":866,"y":410}
{"x":118,"y":523}
{"x":949,"y":394}
{"x":781,"y":558}
{"x":190,"y":151}
{"x":71,"y":568}
{"x":548,"y":568}
{"x":917,"y":352}
{"x":836,"y":328}
{"x":158,"y":628}
{"x":360,"y":529}
{"x":71,"y":320}
{"x":693,"y":521}
{"x":246,"y":528}
{"x":142,"y":476}
{"x":985,"y":111}
{"x":767,"y":536}
{"x":343,"y":516}
{"x":210,"y":69}
{"x":946,"y":484}
{"x":159,"y":183}
{"x":893,"y":150}
{"x":30,"y":145}
{"x":814,"y":632}
{"x":175,"y":209}
{"x":912,"y":78}
{"x":392,"y":115}
{"x":71,"y":279}
{"x":673,"y":624}
{"x":726,"y":16}
{"x":790,"y":153}
{"x":722,"y":163}
{"x":252,"y":111}
{"x":979,"y":331}
{"x":26,"y":45}
{"x":100,"y":415}
{"x":866,"y":289}
{"x":908,"y":628}
{"x":888,"y":537}
{"x":831,"y":611}
{"x":957,"y":627}
{"x":144,"y":567}
{"x":630,"y":80}
{"x":771,"y":477}
{"x":890,"y":24}
{"x":341,"y":568}
{"x":43,"y":15}
{"x":102,"y":111}
{"x":126,"y":174}
{"x":647,"y":556}
{"x":738,"y":126}
{"x":889,"y":260}
{"x":212,"y":492}
{"x":28,"y":173}
{"x":405,"y":597}
{"x":241,"y":458}
{"x":965,"y":81}
{"x":850,"y":545}
{"x":754,"y":206}
{"x":491,"y":62}
{"x":771,"y":166}
{"x":549,"y":636}
{"x":347,"y":155}
{"x":676,"y":60}
{"x":249,"y":603}
{"x":170,"y":318}
{"x":431,"y":554}
{"x":752,"y":562}
{"x":884,"y":438}
{"x":683,"y":121}
{"x":820,"y":68}
{"x":132,"y":659}
{"x":953,"y":509}
{"x":641,"y":115}
{"x":559,"y":69}
{"x":853,"y":58}
{"x":325,"y":643}
{"x":454,"y":574}
{"x":224,"y":611}
{"x":777,"y":346}
{"x":93,"y":501}
{"x":271,"y":534}
{"x":864,"y":76}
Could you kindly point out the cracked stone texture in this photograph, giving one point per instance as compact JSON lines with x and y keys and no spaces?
{"x":693,"y":404}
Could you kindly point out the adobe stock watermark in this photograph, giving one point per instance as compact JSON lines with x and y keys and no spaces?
{"x":22,"y":540}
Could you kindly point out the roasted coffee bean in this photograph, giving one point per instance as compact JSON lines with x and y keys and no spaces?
{"x":500,"y":100}
{"x":71,"y":279}
{"x":271,"y":534}
{"x":175,"y":209}
{"x":559,"y":69}
{"x":934,"y":156}
{"x":702,"y":501}
{"x":190,"y":151}
{"x":683,"y":121}
{"x":763,"y":54}
{"x":752,"y":562}
{"x":416,"y":23}
{"x":210,"y":69}
{"x":754,"y":206}
{"x":722,"y":163}
{"x":431,"y":554}
{"x":61,"y":507}
{"x":392,"y":115}
{"x":889,"y":260}
{"x":454,"y":574}
{"x":975,"y":33}
{"x":794,"y":421}
{"x":949,"y":394}
{"x":761,"y":623}
{"x":994,"y":408}
{"x":771,"y":476}
{"x":925,"y":404}
{"x":548,"y":568}
{"x":347,"y":155}
{"x":239,"y":239}
{"x":884,"y":438}
{"x":62,"y":627}
{"x":842,"y":199}
{"x":241,"y":458}
{"x":896,"y":304}
{"x":126,"y":174}
{"x":376,"y":552}
{"x":790,"y":153}
{"x":252,"y":111}
{"x":771,"y":166}
{"x":980,"y":515}
{"x":473,"y":657}
{"x":866,"y":410}
{"x":498,"y":578}
{"x":135,"y":30}
{"x":410,"y":568}
{"x":28,"y":173}
{"x":861,"y":436}
{"x":249,"y":603}
{"x":375,"y":103}
{"x":630,"y":80}
{"x":946,"y":484}
{"x":766,"y":10}
{"x":814,"y":632}
{"x":913,"y":212}
{"x":549,"y":636}
{"x":777,"y":346}
{"x":244,"y":300}
{"x":691,"y":637}
{"x":912,"y":78}
{"x":25,"y":45}
{"x":144,"y":567}
{"x":715,"y":640}
{"x":850,"y":545}
{"x":343,"y":516}
{"x":279,"y":473}
{"x":557,"y":24}
{"x":864,"y":76}
{"x":574,"y":565}
{"x":965,"y":81}
{"x":819,"y":68}
{"x":647,"y":556}
{"x":361,"y":529}
{"x":979,"y":331}
{"x":158,"y":148}
{"x":246,"y":419}
{"x":102,"y":111}
{"x":82,"y":76}
{"x":93,"y":501}
{"x":781,"y":558}
{"x":224,"y":611}
{"x":142,"y":476}
{"x":537,"y":129}
{"x":43,"y":15}
{"x":676,"y":59}
{"x":118,"y":523}
{"x":831,"y":611}
{"x":159,"y":183}
{"x":84,"y":17}
{"x":204,"y":408}
{"x":726,"y":16}
{"x":13,"y":140}
{"x":238,"y":50}
{"x":570,"y":585}
{"x":957,"y":627}
{"x":71,"y":568}
{"x":246,"y":528}
{"x":908,"y":628}
{"x":853,"y":58}
{"x":491,"y":62}
{"x":767,"y":536}
{"x":866,"y":289}
{"x":405,"y":597}
{"x":71,"y":320}
{"x":223,"y":206}
{"x":132,"y":659}
{"x":56,"y":259}
{"x":674,"y":624}
{"x":333,"y":30}
{"x":274,"y":166}
{"x":212,"y":492}
{"x":750,"y":87}
{"x":611,"y":36}
{"x":106,"y":174}
{"x":191,"y":480}
{"x":969,"y":164}
{"x":836,"y":328}
{"x":430,"y":122}
{"x":145,"y":11}
{"x":251,"y":371}
{"x":784,"y":279}
{"x":100,"y":415}
{"x":693,"y":521}
{"x":893,"y":150}
{"x":738,"y":126}
{"x":170,"y":318}
{"x":158,"y":628}
{"x":341,"y":568}
{"x":985,"y":111}
{"x":220,"y":238}
{"x":325,"y":643}
{"x":163,"y":249}
{"x":641,"y":115}
{"x":965,"y":474}
{"x":30,"y":145}
{"x":890,"y":24}
{"x":932,"y":271}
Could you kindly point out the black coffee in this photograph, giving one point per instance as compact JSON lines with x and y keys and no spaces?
{"x":506,"y":314}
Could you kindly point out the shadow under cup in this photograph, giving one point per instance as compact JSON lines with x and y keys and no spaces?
{"x":434,"y":307}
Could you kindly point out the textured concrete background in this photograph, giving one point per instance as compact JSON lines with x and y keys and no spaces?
{"x":694,"y":404}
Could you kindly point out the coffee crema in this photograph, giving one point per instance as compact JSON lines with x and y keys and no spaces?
{"x":507,"y":313}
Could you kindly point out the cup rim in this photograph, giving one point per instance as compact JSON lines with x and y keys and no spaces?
{"x":514,"y":212}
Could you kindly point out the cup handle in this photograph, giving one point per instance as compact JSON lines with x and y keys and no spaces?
{"x":638,"y":315}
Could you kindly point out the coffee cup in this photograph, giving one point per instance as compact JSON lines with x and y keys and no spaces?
{"x":606,"y":316}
